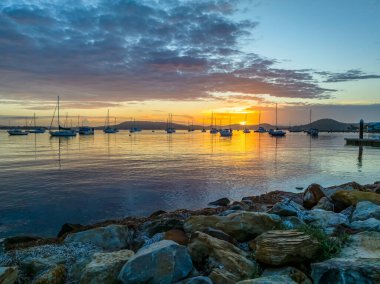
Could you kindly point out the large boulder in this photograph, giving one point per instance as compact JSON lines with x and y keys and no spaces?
{"x":345,"y":198}
{"x":312,"y":195}
{"x":221,"y":202}
{"x":242,"y":226}
{"x":365,"y":210}
{"x":370,"y":224}
{"x":278,"y":248}
{"x":209,"y":253}
{"x":285,"y":208}
{"x":109,"y":237}
{"x":8,"y":275}
{"x":362,"y":245}
{"x":325,"y":204}
{"x":346,"y":271}
{"x":105,"y":267}
{"x":161,"y":225}
{"x":328,"y":221}
{"x":292,"y":222}
{"x":177,"y":236}
{"x":162,"y":262}
{"x":276,"y":279}
{"x":297,"y":275}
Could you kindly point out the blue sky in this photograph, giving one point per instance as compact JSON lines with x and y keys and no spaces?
{"x":147,"y":58}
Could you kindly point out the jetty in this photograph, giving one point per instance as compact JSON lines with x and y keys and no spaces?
{"x":361,"y":141}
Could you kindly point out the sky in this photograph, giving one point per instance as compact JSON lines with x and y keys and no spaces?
{"x":148,"y":58}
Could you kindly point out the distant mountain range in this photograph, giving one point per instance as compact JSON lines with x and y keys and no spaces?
{"x":322,"y":124}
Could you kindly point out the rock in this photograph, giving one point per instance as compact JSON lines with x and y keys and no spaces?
{"x":346,"y":271}
{"x":32,"y":266}
{"x":292,"y":223}
{"x":54,"y":275}
{"x":348,"y":212}
{"x":69,"y":228}
{"x":295,"y":274}
{"x":208,"y":253}
{"x":196,"y":280}
{"x":286,"y":208}
{"x":105,"y":267}
{"x":277,"y":279}
{"x":325,"y":204}
{"x":312,"y":195}
{"x":19,"y":242}
{"x":8,"y":275}
{"x":162,"y":262}
{"x":279,"y":247}
{"x":242,"y":226}
{"x":219,"y":235}
{"x":177,"y":236}
{"x":362,"y":245}
{"x":346,"y":186}
{"x":365,"y":210}
{"x":110,"y":237}
{"x":238,"y":206}
{"x":343,"y":198}
{"x":161,"y":225}
{"x":220,"y":276}
{"x":370,"y":224}
{"x":157,"y":213}
{"x":326,"y":220}
{"x":221,"y":202}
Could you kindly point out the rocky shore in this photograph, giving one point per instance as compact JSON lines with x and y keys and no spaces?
{"x":322,"y":235}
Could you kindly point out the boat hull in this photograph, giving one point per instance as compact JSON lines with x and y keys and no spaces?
{"x":63,"y":133}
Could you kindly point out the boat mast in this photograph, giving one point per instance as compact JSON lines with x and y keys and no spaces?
{"x":276,"y":117}
{"x":58,"y":114}
{"x":310,"y":117}
{"x":34,"y":120}
{"x":259,"y":118}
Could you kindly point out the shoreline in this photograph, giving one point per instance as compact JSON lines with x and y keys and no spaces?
{"x":317,"y":214}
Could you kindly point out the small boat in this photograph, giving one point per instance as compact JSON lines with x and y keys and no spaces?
{"x":86,"y":130}
{"x":227,"y":132}
{"x":108,"y":128}
{"x":260,"y":129}
{"x":213,"y":130}
{"x":246,"y":130}
{"x":204,"y":130}
{"x":313,"y":132}
{"x":62,"y":131}
{"x":169,"y":125}
{"x":133,"y":128}
{"x":17,"y":131}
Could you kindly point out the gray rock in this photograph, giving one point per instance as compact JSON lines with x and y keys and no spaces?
{"x":162,"y":262}
{"x":8,"y":275}
{"x":348,"y":212}
{"x":221,"y":276}
{"x":362,"y":245}
{"x":292,"y":223}
{"x":196,"y":280}
{"x":54,"y":275}
{"x":161,"y":225}
{"x":365,"y":210}
{"x":325,"y":204}
{"x":325,"y":220}
{"x":277,"y":279}
{"x":286,"y":208}
{"x":370,"y":224}
{"x":109,"y":237}
{"x":346,"y":271}
{"x":105,"y":267}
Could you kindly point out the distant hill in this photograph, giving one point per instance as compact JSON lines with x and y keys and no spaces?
{"x":327,"y":124}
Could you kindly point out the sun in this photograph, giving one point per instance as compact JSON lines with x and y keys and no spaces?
{"x":243,"y":122}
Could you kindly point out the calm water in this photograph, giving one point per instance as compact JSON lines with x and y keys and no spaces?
{"x":45,"y":182}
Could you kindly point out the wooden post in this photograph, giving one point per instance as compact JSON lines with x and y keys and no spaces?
{"x":361,"y":131}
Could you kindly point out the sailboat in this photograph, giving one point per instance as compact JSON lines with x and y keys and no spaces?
{"x":16,"y":131}
{"x":276,"y":132}
{"x":246,"y":130}
{"x":314,"y":132}
{"x":213,"y":129}
{"x":36,"y":129}
{"x":260,"y":129}
{"x":169,"y":125}
{"x":108,"y":128}
{"x":62,"y":131}
{"x":203,"y":127}
{"x":227,"y":132}
{"x":134,"y":128}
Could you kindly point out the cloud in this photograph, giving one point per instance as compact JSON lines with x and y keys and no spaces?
{"x":350,"y":75}
{"x":124,"y":50}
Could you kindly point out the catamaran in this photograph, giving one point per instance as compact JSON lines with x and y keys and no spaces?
{"x":108,"y":128}
{"x":276,"y":132}
{"x":62,"y":131}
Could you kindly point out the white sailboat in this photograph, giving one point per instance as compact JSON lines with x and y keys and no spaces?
{"x":108,"y":128}
{"x":62,"y":131}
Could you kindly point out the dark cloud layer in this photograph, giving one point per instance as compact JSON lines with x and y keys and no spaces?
{"x":123,"y":50}
{"x":350,"y":75}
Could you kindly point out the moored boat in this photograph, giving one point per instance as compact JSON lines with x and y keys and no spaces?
{"x":62,"y":131}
